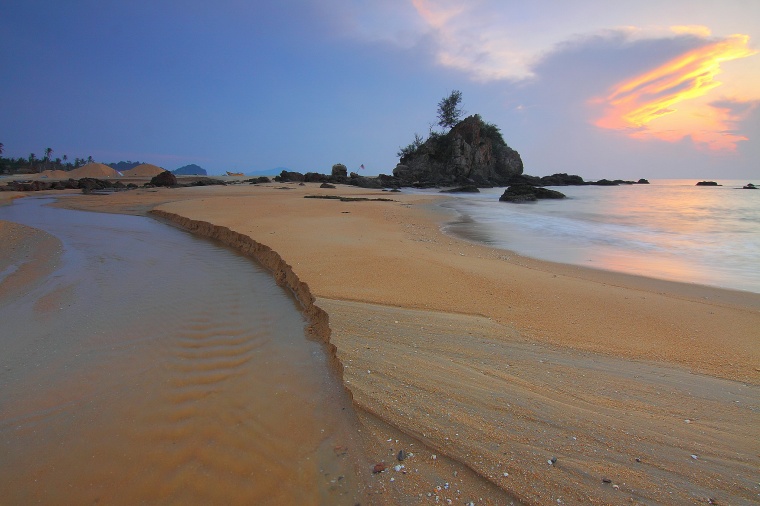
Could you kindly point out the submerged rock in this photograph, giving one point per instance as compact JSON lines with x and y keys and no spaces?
{"x":518,"y":193}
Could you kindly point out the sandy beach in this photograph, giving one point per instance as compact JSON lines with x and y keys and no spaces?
{"x":510,"y":378}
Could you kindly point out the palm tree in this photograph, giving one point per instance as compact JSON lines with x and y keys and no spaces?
{"x":31,"y":160}
{"x":1,"y":148}
{"x":89,"y":159}
{"x":48,"y":152}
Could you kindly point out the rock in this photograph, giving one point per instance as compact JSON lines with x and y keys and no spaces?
{"x":605,"y":182}
{"x":315,"y":177}
{"x":463,"y":189}
{"x":88,"y":184}
{"x":749,"y":186}
{"x":339,"y":170}
{"x":287,"y":176}
{"x":562,"y":179}
{"x":327,"y":185}
{"x":708,"y":183}
{"x":402,"y":455}
{"x":526,"y":193}
{"x":206,"y":181}
{"x":166,"y":178}
{"x":642,"y":181}
{"x":379,"y":467}
{"x":473,"y":151}
{"x":257,"y":180}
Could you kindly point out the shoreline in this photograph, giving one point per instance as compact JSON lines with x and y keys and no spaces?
{"x":447,"y":268}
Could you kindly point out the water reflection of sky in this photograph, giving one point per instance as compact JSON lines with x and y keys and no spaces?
{"x":670,"y":230}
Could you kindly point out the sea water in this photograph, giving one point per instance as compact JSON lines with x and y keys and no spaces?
{"x":153,"y":367}
{"x":669,"y":229}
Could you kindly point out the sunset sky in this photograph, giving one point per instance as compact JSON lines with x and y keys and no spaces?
{"x":628,"y":89}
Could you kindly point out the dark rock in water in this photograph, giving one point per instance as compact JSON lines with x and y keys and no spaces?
{"x":562,"y":179}
{"x":327,"y":185}
{"x":642,"y":181}
{"x":708,"y":183}
{"x":605,"y":182}
{"x":463,"y":189}
{"x":518,"y":193}
{"x":166,"y":178}
{"x":749,"y":186}
{"x":473,"y":152}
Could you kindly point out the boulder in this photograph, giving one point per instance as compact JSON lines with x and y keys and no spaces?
{"x":339,"y":170}
{"x":526,"y":193}
{"x":707,"y":183}
{"x":166,"y":178}
{"x":562,"y":179}
{"x":287,"y":176}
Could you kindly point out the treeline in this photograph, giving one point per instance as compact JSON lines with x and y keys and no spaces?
{"x":31,"y":164}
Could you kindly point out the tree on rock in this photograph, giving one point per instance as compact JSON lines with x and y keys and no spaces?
{"x":449,"y":112}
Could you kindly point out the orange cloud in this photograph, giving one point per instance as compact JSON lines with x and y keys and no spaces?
{"x":663,"y":103}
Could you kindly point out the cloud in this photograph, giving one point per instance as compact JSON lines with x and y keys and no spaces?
{"x":638,"y":105}
{"x":471,"y":43}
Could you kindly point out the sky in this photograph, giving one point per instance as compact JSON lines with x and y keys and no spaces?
{"x":626,"y":89}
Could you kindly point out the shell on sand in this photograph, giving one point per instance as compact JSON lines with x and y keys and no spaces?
{"x":143,"y":170}
{"x":97,"y":170}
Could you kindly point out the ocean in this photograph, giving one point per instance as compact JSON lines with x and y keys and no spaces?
{"x":669,"y":229}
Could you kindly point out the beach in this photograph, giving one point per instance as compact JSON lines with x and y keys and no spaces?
{"x":507,"y":375}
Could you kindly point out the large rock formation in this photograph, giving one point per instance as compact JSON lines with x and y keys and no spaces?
{"x":473,"y":152}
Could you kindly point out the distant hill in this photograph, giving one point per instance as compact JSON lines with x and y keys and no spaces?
{"x":190,"y":170}
{"x":122,"y":166}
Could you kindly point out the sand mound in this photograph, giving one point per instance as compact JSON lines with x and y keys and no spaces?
{"x":97,"y":170}
{"x":143,"y":170}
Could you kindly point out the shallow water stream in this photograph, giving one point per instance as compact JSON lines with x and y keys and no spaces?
{"x":154,"y":367}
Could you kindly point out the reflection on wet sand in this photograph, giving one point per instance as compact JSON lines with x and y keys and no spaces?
{"x":152,"y":367}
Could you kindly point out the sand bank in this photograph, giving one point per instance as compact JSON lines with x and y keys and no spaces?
{"x":641,"y":389}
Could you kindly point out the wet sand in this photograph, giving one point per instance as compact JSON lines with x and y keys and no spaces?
{"x":641,"y":389}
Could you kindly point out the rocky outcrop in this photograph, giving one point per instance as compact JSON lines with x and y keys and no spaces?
{"x":519,"y":193}
{"x":473,"y":152}
{"x":708,"y":183}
